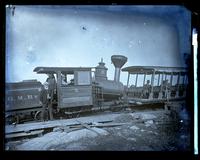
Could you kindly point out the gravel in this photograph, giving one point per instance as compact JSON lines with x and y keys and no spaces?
{"x":133,"y":136}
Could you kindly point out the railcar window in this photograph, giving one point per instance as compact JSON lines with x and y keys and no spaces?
{"x":140,"y":80}
{"x":181,"y":80}
{"x":168,"y":77}
{"x":174,"y":81}
{"x":148,"y":77}
{"x":132,"y":80}
{"x":30,"y":96}
{"x":155,"y":83}
{"x":19,"y":97}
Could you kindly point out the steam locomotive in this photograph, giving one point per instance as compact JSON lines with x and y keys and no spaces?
{"x":87,"y":92}
{"x":86,"y":89}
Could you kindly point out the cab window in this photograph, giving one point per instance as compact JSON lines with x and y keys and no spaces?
{"x":67,"y":79}
{"x":83,"y":78}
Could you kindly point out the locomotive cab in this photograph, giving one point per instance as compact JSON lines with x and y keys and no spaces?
{"x":74,"y":85}
{"x":74,"y":88}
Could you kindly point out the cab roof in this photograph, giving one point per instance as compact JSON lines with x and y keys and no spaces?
{"x":66,"y":70}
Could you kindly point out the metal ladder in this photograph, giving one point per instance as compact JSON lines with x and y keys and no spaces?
{"x":98,"y":95}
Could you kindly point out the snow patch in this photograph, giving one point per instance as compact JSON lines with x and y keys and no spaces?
{"x":76,"y":135}
{"x":100,"y":131}
{"x":132,"y":139}
{"x":58,"y":138}
{"x":134,"y":128}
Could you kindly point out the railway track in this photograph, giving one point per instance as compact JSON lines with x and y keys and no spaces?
{"x":65,"y":114}
{"x":32,"y":129}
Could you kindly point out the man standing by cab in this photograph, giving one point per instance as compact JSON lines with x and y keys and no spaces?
{"x":51,"y":90}
{"x":43,"y":99}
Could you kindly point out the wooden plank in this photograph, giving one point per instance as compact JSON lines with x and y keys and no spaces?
{"x":87,"y":126}
{"x":109,"y":125}
{"x":58,"y":123}
{"x":101,"y":125}
{"x":24,"y":134}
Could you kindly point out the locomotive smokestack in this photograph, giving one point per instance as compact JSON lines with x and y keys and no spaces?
{"x":118,"y":61}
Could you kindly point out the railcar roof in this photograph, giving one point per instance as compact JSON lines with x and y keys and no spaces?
{"x":67,"y":70}
{"x":23,"y":84}
{"x":157,"y":69}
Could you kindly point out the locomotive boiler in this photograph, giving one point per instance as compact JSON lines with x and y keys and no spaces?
{"x":112,"y":89}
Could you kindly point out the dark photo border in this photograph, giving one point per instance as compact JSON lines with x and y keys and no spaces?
{"x":193,"y":7}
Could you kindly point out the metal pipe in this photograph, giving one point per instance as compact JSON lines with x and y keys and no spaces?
{"x":171,"y":78}
{"x":128,"y":79}
{"x":136,"y":80}
{"x":58,"y":74}
{"x":158,"y":79}
{"x":178,"y":79}
{"x":144,"y":79}
{"x":161,"y":84}
{"x":152,"y":81}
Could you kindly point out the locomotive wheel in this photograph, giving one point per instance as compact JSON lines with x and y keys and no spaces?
{"x":37,"y":116}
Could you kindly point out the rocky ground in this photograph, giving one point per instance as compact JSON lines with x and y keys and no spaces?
{"x":147,"y":130}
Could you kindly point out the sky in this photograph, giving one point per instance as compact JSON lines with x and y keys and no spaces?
{"x":79,"y":36}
